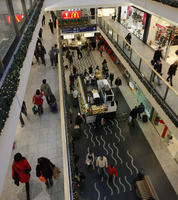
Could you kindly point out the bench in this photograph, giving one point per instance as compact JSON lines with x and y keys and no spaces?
{"x":146,"y":190}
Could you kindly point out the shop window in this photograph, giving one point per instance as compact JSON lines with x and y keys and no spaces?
{"x":17,"y":5}
{"x":7,"y":33}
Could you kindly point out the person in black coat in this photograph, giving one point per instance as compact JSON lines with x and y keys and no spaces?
{"x":40,"y":33}
{"x":172,"y":72}
{"x":44,"y":168}
{"x":141,"y":109}
{"x":158,"y":68}
{"x":43,"y":20}
{"x":90,"y":69}
{"x":111,"y":77}
{"x":128,"y":38}
{"x":133,"y":114}
{"x":51,"y":26}
{"x":157,"y":55}
{"x":41,"y":51}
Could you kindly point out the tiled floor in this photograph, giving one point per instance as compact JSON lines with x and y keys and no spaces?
{"x":40,"y":136}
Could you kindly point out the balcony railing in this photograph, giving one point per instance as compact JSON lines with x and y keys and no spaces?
{"x":165,"y":95}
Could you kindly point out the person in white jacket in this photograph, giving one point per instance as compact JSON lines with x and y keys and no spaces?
{"x":101,"y":162}
{"x":90,"y":159}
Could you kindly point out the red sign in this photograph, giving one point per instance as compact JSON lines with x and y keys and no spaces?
{"x":71,"y":14}
{"x":17,"y":17}
{"x":160,"y":26}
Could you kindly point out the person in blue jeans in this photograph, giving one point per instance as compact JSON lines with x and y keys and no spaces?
{"x":23,"y":111}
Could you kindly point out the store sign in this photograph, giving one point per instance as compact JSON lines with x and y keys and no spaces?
{"x":17,"y":17}
{"x":160,"y":26}
{"x":79,"y":29}
{"x":71,"y":14}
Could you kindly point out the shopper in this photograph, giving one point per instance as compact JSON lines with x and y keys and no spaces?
{"x":56,"y":51}
{"x":90,"y":159}
{"x":38,"y":101}
{"x":141,"y":109}
{"x":158,"y":68}
{"x":112,"y":171}
{"x":51,"y":26}
{"x":79,"y":120}
{"x":45,"y":88}
{"x":36,"y":54}
{"x":80,"y":178}
{"x":90,"y":69}
{"x":75,"y":97}
{"x":172,"y":72}
{"x":41,"y":51}
{"x":40,"y":33}
{"x":75,"y":71}
{"x":128,"y":39}
{"x":44,"y":169}
{"x":101,"y":163}
{"x":23,"y":111}
{"x":21,"y":172}
{"x":133,"y":115}
{"x":157,"y":55}
{"x":52,"y":56}
{"x":118,"y":81}
{"x":101,"y":50}
{"x":79,"y":53}
{"x":111,"y":77}
{"x":43,"y":20}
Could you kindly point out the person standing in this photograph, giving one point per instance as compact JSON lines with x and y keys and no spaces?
{"x":51,"y":26}
{"x":44,"y":169}
{"x":56,"y":51}
{"x":101,"y":163}
{"x":24,"y":111}
{"x":157,"y":55}
{"x":45,"y":88}
{"x":172,"y":72}
{"x":141,"y":109}
{"x":111,"y":77}
{"x":158,"y":68}
{"x":40,"y":33}
{"x":133,"y":115}
{"x":112,"y":171}
{"x":128,"y":39}
{"x":38,"y":101}
{"x":90,"y":69}
{"x":43,"y":20}
{"x":21,"y":172}
{"x":41,"y":51}
{"x":101,"y":50}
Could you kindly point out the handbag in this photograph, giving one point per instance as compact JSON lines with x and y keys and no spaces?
{"x":16,"y":178}
{"x":56,"y":172}
{"x":34,"y":109}
{"x":42,"y":178}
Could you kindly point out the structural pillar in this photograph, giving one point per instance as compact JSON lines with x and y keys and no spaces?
{"x":24,"y":8}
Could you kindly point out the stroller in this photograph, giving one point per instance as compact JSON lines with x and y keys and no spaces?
{"x":52,"y":103}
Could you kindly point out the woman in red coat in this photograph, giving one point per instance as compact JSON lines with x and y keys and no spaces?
{"x":21,"y":170}
{"x":112,"y":170}
{"x":38,"y":101}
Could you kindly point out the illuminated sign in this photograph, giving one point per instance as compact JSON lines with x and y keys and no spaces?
{"x":17,"y":17}
{"x":71,"y":14}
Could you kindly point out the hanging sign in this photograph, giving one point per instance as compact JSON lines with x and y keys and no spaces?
{"x":71,"y":14}
{"x":17,"y":17}
{"x":79,"y":29}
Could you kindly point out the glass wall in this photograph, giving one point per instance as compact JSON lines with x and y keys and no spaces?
{"x":17,"y":5}
{"x":7,"y":32}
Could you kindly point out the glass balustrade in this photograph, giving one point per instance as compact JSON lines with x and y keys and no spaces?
{"x":169,"y":95}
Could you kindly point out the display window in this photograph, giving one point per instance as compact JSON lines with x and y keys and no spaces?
{"x":165,"y":35}
{"x":134,"y":20}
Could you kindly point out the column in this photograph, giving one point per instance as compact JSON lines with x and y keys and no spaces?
{"x":24,"y":8}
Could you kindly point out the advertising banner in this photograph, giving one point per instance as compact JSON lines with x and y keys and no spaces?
{"x":79,"y":29}
{"x":71,"y":14}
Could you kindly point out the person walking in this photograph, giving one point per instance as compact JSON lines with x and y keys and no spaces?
{"x":90,"y":69}
{"x":111,"y":77}
{"x":45,"y":88}
{"x":112,"y":171}
{"x":133,"y":115}
{"x":41,"y":51}
{"x":38,"y":101}
{"x":21,"y":172}
{"x":52,"y":56}
{"x":24,"y":111}
{"x":101,"y":50}
{"x":51,"y":26}
{"x":141,"y":109}
{"x":157,"y":55}
{"x":90,"y":159}
{"x":172,"y":72}
{"x":56,"y":51}
{"x":79,"y":53}
{"x":158,"y":68}
{"x":101,"y":163}
{"x":79,"y":120}
{"x":43,"y":20}
{"x":74,"y":71}
{"x":128,"y":39}
{"x":44,"y":170}
{"x":40,"y":34}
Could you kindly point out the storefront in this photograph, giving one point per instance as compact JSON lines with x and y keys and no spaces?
{"x":165,"y":35}
{"x":106,"y":12}
{"x":134,"y":20}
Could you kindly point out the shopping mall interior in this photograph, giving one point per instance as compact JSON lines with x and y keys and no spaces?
{"x":76,"y":92}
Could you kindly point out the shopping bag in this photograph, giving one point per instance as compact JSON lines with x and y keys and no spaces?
{"x":56,"y":172}
{"x":42,"y":179}
{"x":34,"y":109}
